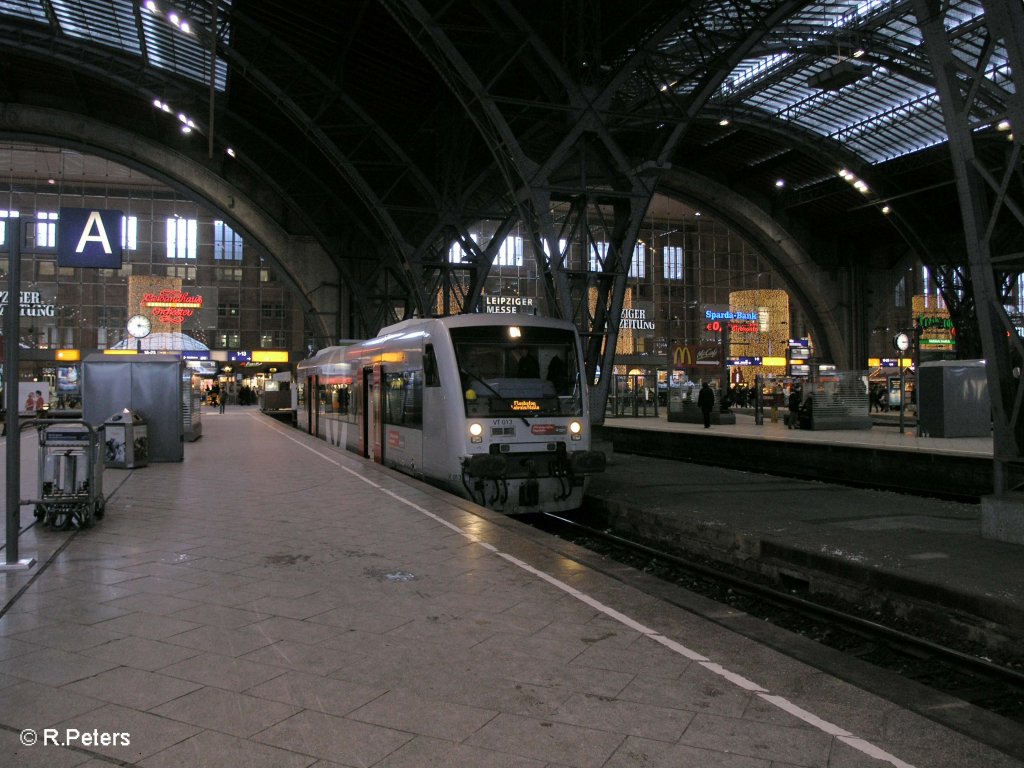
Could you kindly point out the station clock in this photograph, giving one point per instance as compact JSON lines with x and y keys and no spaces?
{"x":139,"y":326}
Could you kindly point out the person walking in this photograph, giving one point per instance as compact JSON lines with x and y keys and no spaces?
{"x":706,"y":402}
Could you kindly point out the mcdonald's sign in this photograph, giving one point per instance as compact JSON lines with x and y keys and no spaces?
{"x":690,"y":355}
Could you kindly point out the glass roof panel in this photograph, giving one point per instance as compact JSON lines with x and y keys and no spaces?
{"x":113,"y":23}
{"x":883,"y":113}
{"x":171,"y":49}
{"x":32,"y":10}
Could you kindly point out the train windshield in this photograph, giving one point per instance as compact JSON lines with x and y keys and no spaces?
{"x":535,"y":373}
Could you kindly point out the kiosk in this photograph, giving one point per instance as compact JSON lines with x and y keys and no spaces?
{"x":150,"y":385}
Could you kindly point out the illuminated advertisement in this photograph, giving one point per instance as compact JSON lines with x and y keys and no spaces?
{"x":171,"y":306}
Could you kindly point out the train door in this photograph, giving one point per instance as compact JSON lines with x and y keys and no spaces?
{"x":312,"y":411}
{"x":373,"y":418}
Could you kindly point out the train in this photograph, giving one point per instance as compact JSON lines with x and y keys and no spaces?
{"x":491,"y":407}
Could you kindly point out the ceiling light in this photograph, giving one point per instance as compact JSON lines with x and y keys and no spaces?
{"x":858,"y":53}
{"x":886,"y":210}
{"x":724,"y":121}
{"x":1004,"y":125}
{"x":780,"y":183}
{"x":860,"y":186}
{"x":230,"y":151}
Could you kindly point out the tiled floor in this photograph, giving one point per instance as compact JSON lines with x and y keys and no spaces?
{"x":272,"y":602}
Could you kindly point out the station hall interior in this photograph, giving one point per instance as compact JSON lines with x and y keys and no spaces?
{"x":770,"y":196}
{"x":846,"y":171}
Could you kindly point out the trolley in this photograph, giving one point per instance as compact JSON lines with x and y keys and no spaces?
{"x":70,"y":474}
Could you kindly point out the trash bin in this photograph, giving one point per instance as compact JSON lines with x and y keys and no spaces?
{"x":126,"y":440}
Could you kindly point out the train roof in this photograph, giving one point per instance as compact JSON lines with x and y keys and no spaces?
{"x":336,"y":354}
{"x":475,"y":319}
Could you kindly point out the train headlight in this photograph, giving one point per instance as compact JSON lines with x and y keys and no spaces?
{"x":476,"y":432}
{"x":576,"y":430}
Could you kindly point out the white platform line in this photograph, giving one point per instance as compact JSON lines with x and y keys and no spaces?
{"x":738,"y":680}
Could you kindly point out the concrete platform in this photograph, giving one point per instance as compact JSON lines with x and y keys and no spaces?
{"x":880,"y":457}
{"x":867,"y":545}
{"x":270,"y":601}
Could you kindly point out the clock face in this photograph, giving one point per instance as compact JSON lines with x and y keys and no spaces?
{"x":139,"y":326}
{"x":901,"y":341}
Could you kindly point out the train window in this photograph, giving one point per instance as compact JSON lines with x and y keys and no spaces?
{"x":538,"y":375}
{"x":403,"y":398}
{"x":430,"y":375}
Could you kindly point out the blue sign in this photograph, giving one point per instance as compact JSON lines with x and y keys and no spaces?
{"x":240,"y":357}
{"x":89,"y":238}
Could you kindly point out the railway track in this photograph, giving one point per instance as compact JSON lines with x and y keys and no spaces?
{"x":993,"y":685}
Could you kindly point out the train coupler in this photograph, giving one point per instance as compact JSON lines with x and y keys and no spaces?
{"x":529,"y":493}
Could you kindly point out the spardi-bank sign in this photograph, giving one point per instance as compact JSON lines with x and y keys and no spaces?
{"x":89,"y":238}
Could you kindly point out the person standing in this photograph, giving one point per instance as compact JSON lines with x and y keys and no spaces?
{"x":794,"y":408}
{"x":706,"y":403}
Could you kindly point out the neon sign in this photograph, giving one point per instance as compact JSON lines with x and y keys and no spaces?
{"x":172,"y":307}
{"x":736,"y":327}
{"x":739,"y":315}
{"x":525,"y":405}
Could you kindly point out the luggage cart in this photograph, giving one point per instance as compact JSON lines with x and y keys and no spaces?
{"x":70,"y":474}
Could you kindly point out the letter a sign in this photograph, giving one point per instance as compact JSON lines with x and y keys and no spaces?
{"x":89,"y":238}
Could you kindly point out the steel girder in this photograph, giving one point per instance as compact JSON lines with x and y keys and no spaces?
{"x":530,"y":184}
{"x":330,"y":120}
{"x":986,"y":196}
{"x":315,"y":202}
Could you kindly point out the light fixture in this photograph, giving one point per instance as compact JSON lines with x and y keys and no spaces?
{"x":514,"y":332}
{"x":724,"y":121}
{"x":780,"y":183}
{"x":886,"y":209}
{"x":839,"y":76}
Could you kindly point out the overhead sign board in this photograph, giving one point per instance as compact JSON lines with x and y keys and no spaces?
{"x":89,"y":238}
{"x":509,"y":304}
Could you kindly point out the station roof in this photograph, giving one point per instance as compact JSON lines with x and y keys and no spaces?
{"x":376,"y":119}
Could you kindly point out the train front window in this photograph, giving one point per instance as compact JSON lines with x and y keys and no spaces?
{"x":536,"y":374}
